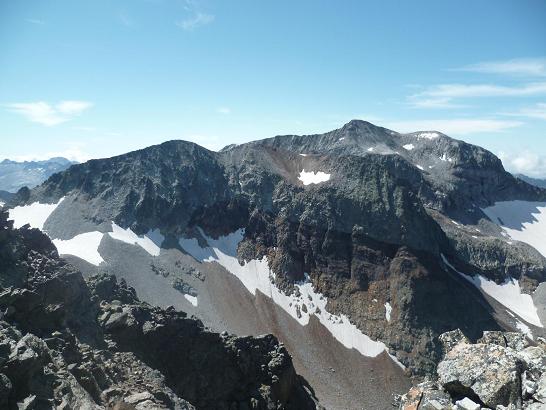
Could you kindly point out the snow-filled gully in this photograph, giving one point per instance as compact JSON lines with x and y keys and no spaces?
{"x":256,"y":275}
{"x":508,"y":294}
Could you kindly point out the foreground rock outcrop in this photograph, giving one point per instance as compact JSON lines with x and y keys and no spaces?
{"x":70,"y":344}
{"x":500,"y":371}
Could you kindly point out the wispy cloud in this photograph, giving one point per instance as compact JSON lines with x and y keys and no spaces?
{"x":530,"y":67}
{"x":224,"y":110}
{"x":47,"y":114}
{"x":526,"y":162}
{"x":443,"y":94}
{"x":35,"y":21}
{"x":454,"y":127}
{"x":536,"y":111}
{"x":198,"y":19}
{"x":126,"y":20}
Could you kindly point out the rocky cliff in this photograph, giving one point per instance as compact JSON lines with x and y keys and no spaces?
{"x":372,"y":231}
{"x":67,"y":343}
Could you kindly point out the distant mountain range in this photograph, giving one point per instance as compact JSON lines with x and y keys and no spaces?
{"x":15,"y":175}
{"x":541,"y":183}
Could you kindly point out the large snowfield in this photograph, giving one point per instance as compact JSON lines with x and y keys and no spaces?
{"x":34,"y":214}
{"x":522,"y":221}
{"x":84,"y":245}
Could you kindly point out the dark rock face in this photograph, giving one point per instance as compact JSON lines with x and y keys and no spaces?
{"x":373,"y":232}
{"x":65,"y":343}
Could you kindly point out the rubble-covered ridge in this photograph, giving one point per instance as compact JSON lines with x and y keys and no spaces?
{"x":501,"y":371}
{"x":70,"y":344}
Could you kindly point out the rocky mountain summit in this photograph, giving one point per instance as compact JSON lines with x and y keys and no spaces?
{"x":68,"y":343}
{"x":500,"y":371}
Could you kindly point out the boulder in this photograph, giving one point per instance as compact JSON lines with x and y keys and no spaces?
{"x":487,"y":373}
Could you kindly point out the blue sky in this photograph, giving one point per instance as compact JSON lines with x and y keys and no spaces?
{"x":89,"y":79}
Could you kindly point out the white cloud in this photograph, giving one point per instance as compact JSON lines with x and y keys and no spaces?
{"x":536,"y":111}
{"x":418,"y":101}
{"x":525,"y":162}
{"x":442,"y":95}
{"x":197,"y":20}
{"x":533,"y":67}
{"x":126,"y":20}
{"x":47,"y":114}
{"x":453,"y":127}
{"x":224,"y":110}
{"x":35,"y":21}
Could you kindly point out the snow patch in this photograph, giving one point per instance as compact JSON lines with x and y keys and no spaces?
{"x":84,"y":246}
{"x":508,"y":294}
{"x":420,"y":167}
{"x":341,"y":139}
{"x":428,"y":135}
{"x":313,"y":177}
{"x":388,"y":310}
{"x":408,"y":147}
{"x":303,"y":155}
{"x":35,"y":214}
{"x":191,"y":299}
{"x":256,"y":276}
{"x":523,"y":328}
{"x":150,"y":242}
{"x":2,"y":204}
{"x":444,"y":158}
{"x":522,"y":221}
{"x":370,"y":149}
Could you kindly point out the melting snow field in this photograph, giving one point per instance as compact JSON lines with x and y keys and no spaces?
{"x":388,"y":310}
{"x":521,"y":220}
{"x":255,"y":275}
{"x":34,"y":214}
{"x":191,"y":299}
{"x":84,"y":246}
{"x":151,"y":242}
{"x":508,"y":294}
{"x":313,"y":177}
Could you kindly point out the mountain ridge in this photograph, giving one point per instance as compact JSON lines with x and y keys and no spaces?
{"x":390,"y":206}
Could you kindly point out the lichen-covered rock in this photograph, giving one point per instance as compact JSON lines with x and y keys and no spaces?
{"x":451,"y":339}
{"x":489,"y":372}
{"x":425,"y":396}
{"x":513,"y":340}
